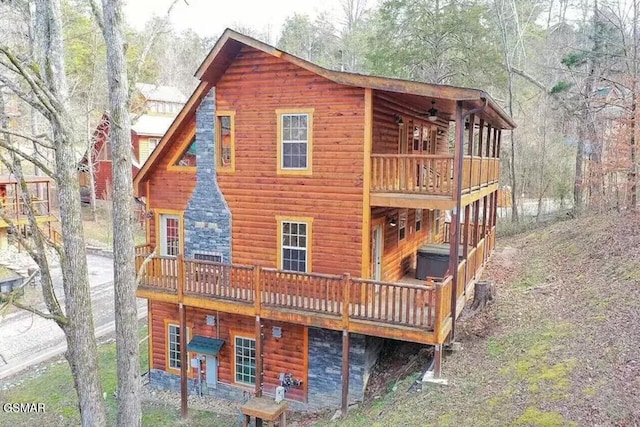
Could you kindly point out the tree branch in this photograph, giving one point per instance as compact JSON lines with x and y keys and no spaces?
{"x":147,"y":47}
{"x":97,"y":14}
{"x":25,"y":96}
{"x":27,"y":137}
{"x":35,"y":83}
{"x":27,"y":157}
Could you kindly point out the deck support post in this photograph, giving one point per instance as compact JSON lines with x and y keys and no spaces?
{"x":259,"y":356}
{"x":345,"y":372}
{"x":184,"y":391}
{"x":437,"y":361}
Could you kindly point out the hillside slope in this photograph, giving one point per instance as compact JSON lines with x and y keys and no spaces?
{"x":560,"y":347}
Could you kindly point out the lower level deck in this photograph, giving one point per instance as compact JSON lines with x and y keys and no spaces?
{"x":409,"y":310}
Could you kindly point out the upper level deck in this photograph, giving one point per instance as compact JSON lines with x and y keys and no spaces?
{"x":427,"y":181}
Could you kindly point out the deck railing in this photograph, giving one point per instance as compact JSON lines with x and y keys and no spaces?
{"x":14,"y":207}
{"x":478,"y":172}
{"x":412,"y":173}
{"x":332,"y":295}
{"x":399,"y":303}
{"x":429,"y":174}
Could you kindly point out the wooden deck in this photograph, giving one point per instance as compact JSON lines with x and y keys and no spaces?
{"x":13,"y":207}
{"x":409,"y":310}
{"x":426,"y":181}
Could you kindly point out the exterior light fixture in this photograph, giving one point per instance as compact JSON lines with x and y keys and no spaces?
{"x":433,"y":112}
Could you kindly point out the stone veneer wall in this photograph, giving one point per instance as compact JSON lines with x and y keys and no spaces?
{"x":325,"y":366}
{"x":207,"y":219}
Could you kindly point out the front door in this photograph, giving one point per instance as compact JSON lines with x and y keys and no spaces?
{"x":169,"y":235}
{"x":376,"y":253}
{"x":212,"y":372}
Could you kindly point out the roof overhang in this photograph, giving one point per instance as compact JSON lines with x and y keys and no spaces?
{"x":205,"y":345}
{"x":231,"y":42}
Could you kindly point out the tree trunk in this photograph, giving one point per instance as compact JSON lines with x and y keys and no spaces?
{"x":81,"y":345}
{"x":129,"y":407}
{"x":91,"y":170}
{"x":484,"y":293}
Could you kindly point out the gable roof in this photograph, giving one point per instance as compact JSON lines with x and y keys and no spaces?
{"x":153,"y":92}
{"x":231,"y":42}
{"x":151,"y":125}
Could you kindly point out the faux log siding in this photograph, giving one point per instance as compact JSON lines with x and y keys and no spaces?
{"x":400,"y":256}
{"x":254,"y":86}
{"x":280,"y":355}
{"x":385,"y":129}
{"x":170,"y":189}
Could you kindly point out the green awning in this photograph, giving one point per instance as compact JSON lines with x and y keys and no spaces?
{"x":205,"y":345}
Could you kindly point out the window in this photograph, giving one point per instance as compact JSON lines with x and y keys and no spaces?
{"x":173,"y":346}
{"x":225,"y":139}
{"x":435,"y":223}
{"x":169,"y":235}
{"x":245,"y":362}
{"x":402,"y":225}
{"x":294,"y":244}
{"x":204,"y":256}
{"x":188,"y":157}
{"x":153,"y":143}
{"x":418,"y":220}
{"x":295,"y":131}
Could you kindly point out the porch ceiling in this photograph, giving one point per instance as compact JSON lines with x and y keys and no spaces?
{"x":446,"y":107}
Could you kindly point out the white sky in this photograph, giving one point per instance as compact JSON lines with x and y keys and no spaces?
{"x":211,"y":17}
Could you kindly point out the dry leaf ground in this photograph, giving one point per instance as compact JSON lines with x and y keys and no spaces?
{"x":560,"y":347}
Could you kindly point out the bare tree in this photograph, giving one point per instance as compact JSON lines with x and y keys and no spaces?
{"x":44,"y":87}
{"x":126,"y":315}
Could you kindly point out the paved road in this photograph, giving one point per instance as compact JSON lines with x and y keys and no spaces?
{"x":26,"y":339}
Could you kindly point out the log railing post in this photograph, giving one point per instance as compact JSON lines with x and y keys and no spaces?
{"x":438,"y":309}
{"x":346,"y":297}
{"x":180,"y":273}
{"x":257,"y":302}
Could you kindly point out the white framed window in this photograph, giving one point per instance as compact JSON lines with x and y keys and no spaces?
{"x":169,"y":235}
{"x":245,"y":360}
{"x":153,"y":143}
{"x":418,"y":220}
{"x":402,"y":225}
{"x":295,"y":141}
{"x":294,"y":246}
{"x":173,"y":346}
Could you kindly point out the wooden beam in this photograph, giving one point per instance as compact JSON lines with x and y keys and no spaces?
{"x":184,"y":391}
{"x":472,"y":120}
{"x":465,"y":238}
{"x":412,"y":201}
{"x":476,"y":219}
{"x":259,"y":358}
{"x":366,"y":184}
{"x":437,"y":361}
{"x":484,"y":227}
{"x":345,"y":372}
{"x":489,"y":142}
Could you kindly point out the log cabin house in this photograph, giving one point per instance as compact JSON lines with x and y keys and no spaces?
{"x":285,"y":208}
{"x":153,"y":109}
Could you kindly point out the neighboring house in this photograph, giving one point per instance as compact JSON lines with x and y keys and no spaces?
{"x":287,"y":205}
{"x":158,"y":107}
{"x":13,"y":211}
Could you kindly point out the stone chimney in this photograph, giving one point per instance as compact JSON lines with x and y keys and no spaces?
{"x":207,"y":219}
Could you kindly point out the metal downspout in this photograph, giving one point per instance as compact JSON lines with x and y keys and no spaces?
{"x":461,"y":117}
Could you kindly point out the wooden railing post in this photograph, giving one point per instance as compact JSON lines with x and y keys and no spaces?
{"x":346,"y":299}
{"x":180,"y":267}
{"x":438,"y":308}
{"x":257,"y":302}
